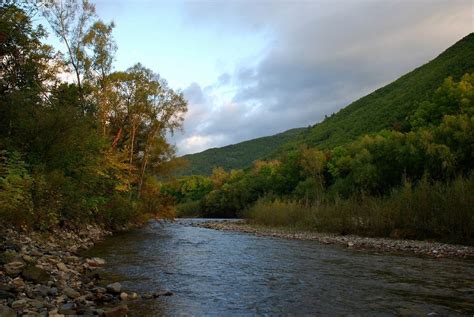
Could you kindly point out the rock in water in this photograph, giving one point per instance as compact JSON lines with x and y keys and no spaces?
{"x":94,"y":262}
{"x":35,"y":274}
{"x":123,"y":296}
{"x":114,"y":288}
{"x":119,"y":311}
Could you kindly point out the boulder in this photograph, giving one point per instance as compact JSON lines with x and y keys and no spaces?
{"x":35,"y":275}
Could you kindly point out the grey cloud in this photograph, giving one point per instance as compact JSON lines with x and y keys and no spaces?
{"x":322,"y":55}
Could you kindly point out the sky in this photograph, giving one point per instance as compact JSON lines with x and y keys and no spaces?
{"x":255,"y":68}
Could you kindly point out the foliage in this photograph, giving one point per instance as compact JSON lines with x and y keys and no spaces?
{"x":73,"y":153}
{"x":438,"y":210}
{"x":391,"y":182}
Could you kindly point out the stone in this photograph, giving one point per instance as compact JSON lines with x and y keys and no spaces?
{"x":99,"y":290}
{"x":95,"y":262}
{"x":114,"y":288}
{"x":36,"y":304}
{"x":72,"y":259}
{"x":18,"y":282}
{"x":119,"y":311}
{"x":133,"y":295}
{"x":14,"y":268}
{"x":35,"y":274}
{"x":165,"y":293}
{"x":7,"y":291}
{"x":28,"y":259}
{"x":123,"y":296}
{"x":8,"y":256}
{"x":35,"y":252}
{"x":67,"y":309}
{"x":62,"y":267}
{"x":44,"y":290}
{"x":6,"y":311}
{"x":53,"y":291}
{"x":71,"y":293}
{"x":19,"y":303}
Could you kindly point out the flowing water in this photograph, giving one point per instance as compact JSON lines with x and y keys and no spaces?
{"x":227,"y":273}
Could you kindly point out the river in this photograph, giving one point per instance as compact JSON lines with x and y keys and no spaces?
{"x":212,"y":272}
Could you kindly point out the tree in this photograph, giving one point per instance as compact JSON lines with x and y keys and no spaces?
{"x":70,"y":21}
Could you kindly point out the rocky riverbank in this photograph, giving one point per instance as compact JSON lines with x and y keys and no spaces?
{"x":44,"y":275}
{"x":425,"y":248}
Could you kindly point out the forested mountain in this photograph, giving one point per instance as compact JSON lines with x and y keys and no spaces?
{"x":385,"y":108}
{"x":235,"y":156}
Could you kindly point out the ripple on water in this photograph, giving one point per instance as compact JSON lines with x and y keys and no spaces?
{"x":226,"y":273}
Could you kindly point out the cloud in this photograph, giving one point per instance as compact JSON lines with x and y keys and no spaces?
{"x":322,"y":55}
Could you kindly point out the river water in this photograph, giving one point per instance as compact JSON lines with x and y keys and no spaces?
{"x":227,"y":273}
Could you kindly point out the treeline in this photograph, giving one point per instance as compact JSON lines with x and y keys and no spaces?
{"x":417,"y":182}
{"x":86,"y":149}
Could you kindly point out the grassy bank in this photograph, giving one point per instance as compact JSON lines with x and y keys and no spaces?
{"x":436,"y":210}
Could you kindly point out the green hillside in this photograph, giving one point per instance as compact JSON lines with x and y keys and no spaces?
{"x":235,"y":156}
{"x":387,"y":107}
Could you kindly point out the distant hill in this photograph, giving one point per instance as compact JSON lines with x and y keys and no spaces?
{"x":236,"y":156}
{"x":387,"y":107}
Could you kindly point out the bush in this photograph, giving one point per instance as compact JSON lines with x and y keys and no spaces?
{"x":439,"y":210}
{"x":15,"y":184}
{"x":190,"y":209}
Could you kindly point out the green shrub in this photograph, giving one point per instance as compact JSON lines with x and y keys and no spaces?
{"x":189,"y":209}
{"x":438,"y":210}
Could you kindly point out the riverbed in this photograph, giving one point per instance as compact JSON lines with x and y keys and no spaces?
{"x":215,"y":272}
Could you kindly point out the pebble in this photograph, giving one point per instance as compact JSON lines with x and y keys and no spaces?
{"x":114,"y":288}
{"x":62,"y":267}
{"x":123,"y":296}
{"x":71,"y":293}
{"x":14,"y":268}
{"x":35,"y":268}
{"x":95,"y":262}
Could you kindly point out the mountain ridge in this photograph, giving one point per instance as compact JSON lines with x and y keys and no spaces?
{"x":387,"y":107}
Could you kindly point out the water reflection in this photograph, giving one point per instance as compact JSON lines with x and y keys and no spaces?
{"x":226,"y":273}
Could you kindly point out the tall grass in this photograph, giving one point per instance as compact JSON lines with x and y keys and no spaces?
{"x":440,"y":211}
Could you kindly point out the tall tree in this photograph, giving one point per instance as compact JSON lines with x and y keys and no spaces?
{"x":70,"y":21}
